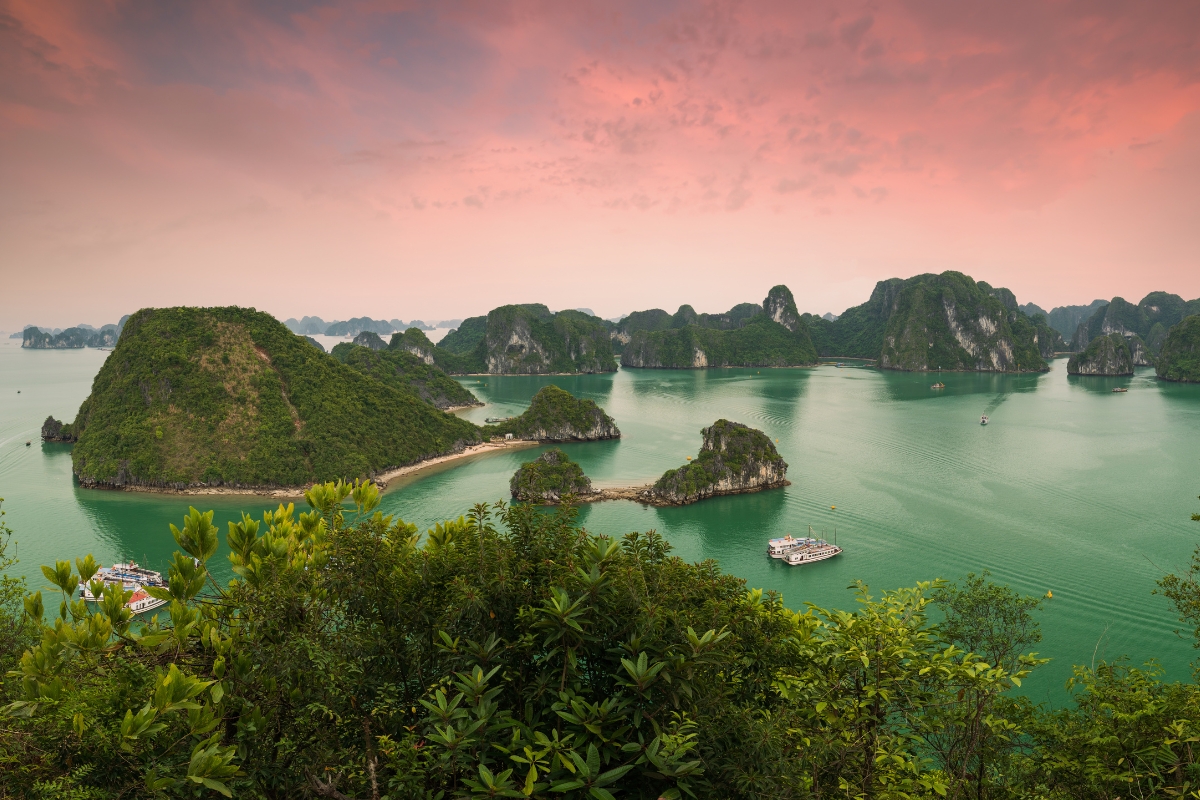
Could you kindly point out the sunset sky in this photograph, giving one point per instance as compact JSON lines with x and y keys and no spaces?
{"x":436,"y":160}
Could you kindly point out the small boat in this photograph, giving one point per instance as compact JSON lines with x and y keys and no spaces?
{"x":812,"y":551}
{"x":494,"y":420}
{"x":938,"y":385}
{"x":983,"y":420}
{"x":132,"y":578}
{"x":1120,"y":389}
{"x":840,"y":364}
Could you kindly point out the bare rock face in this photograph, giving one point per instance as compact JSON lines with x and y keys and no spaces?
{"x":781,"y":307}
{"x":55,"y":431}
{"x":1140,"y":352}
{"x":1106,"y":355}
{"x":733,"y":459}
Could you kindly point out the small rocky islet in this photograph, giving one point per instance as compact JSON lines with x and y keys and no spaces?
{"x":733,"y":459}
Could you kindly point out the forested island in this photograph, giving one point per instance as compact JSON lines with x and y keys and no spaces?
{"x":748,"y":335}
{"x":229,"y":397}
{"x":549,"y":479}
{"x":733,"y":459}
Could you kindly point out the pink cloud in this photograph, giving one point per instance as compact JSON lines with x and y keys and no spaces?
{"x":821,"y":144}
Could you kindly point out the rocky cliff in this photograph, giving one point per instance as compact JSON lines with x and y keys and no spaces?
{"x":950,"y":322}
{"x":1105,"y":355}
{"x":1149,"y":319}
{"x":549,"y":478}
{"x":733,"y":459}
{"x":1179,"y":358}
{"x":523,"y":340}
{"x":744,"y":337}
{"x":555,"y":415}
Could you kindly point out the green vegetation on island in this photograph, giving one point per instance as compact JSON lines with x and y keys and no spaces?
{"x":1179,"y":358}
{"x":555,"y":415}
{"x":407,"y":372}
{"x":733,"y":459}
{"x":1064,"y":319}
{"x":512,"y":653}
{"x":525,"y":340}
{"x":749,"y":335}
{"x":1106,"y":355}
{"x":230,"y":397}
{"x":931,"y":322}
{"x":549,"y":478}
{"x":1150,"y":319}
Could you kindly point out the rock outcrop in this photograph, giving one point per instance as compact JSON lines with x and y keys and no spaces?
{"x":55,"y":431}
{"x":1105,"y":355}
{"x":405,"y":371}
{"x":1139,"y":351}
{"x":1179,"y":358}
{"x":549,"y":478}
{"x":733,"y":459}
{"x":555,"y":415}
{"x":1149,"y":319}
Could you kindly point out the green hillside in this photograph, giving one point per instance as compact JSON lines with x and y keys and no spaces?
{"x":523,"y":340}
{"x":1156,"y":313}
{"x":945,"y":321}
{"x":744,"y":336}
{"x":1179,"y":358}
{"x":949,"y":321}
{"x":407,"y":372}
{"x":229,"y":396}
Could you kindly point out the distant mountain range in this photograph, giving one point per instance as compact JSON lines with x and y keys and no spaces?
{"x":315,"y":326}
{"x":74,"y":338}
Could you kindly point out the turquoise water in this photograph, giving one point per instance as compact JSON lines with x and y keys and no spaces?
{"x":1071,"y":488}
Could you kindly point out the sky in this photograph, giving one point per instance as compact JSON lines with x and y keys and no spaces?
{"x":435,"y":160}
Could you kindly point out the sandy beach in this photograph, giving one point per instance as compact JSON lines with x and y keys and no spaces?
{"x":382,"y":480}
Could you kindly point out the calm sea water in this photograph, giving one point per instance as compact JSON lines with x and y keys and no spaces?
{"x":1071,"y":488}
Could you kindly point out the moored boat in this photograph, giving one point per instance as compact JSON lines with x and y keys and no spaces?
{"x":938,"y":385}
{"x":1120,"y":389}
{"x":815,"y":550}
{"x":131,"y":578}
{"x":778,"y":548}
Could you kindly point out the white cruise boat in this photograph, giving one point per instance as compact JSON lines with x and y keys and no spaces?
{"x":815,"y":550}
{"x":132,"y":578}
{"x":778,"y":548}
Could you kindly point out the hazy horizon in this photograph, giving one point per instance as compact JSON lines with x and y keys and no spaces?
{"x":434,"y":161}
